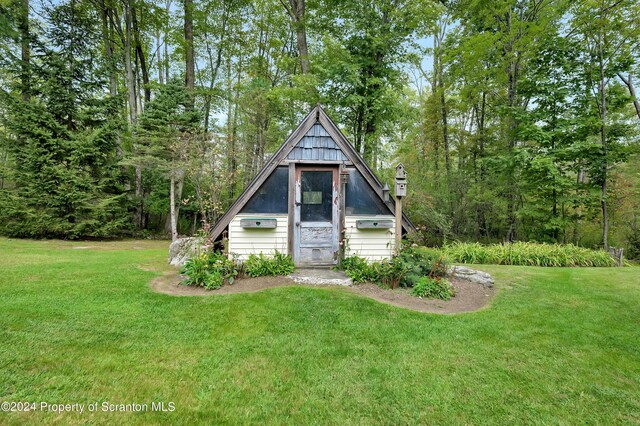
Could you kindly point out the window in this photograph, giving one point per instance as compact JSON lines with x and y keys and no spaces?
{"x":360,"y":197}
{"x":317,"y":195}
{"x":272,"y":196}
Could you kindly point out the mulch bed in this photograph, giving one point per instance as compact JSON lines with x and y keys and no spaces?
{"x":469,"y":296}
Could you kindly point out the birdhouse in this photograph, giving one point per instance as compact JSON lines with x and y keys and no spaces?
{"x":401,"y":189}
{"x":401,"y":181}
{"x":385,"y":193}
{"x":344,"y":176}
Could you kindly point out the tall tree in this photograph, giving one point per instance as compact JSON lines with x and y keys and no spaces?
{"x":25,"y":50}
{"x":65,"y":174}
{"x":296,"y":10}
{"x":609,"y":30}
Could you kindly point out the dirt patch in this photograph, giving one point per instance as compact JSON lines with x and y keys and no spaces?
{"x":469,"y":296}
{"x":169,"y":283}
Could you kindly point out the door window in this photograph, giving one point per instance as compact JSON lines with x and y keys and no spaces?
{"x":317,"y":195}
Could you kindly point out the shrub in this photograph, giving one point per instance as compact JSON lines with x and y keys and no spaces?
{"x":633,"y":252}
{"x":402,"y":270}
{"x":527,"y":254}
{"x":433,"y":288}
{"x":419,"y":262}
{"x":210,"y":270}
{"x":359,"y":270}
{"x":261,"y":265}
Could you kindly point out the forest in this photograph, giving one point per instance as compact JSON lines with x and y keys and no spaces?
{"x":517,"y":120}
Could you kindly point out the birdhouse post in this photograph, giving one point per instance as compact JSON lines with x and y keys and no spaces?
{"x":401,"y":191}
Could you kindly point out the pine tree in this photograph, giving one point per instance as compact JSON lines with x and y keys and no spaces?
{"x":65,"y":180}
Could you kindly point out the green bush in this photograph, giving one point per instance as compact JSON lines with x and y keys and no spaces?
{"x":404,"y":270}
{"x":527,"y":254}
{"x":210,"y":270}
{"x":633,"y":252}
{"x":359,"y":270}
{"x":261,"y":265}
{"x":417,"y":262}
{"x":433,"y":288}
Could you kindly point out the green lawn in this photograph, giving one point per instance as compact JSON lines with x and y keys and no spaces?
{"x":82,"y":326}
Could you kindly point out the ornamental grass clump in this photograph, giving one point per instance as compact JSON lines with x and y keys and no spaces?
{"x":527,"y":254}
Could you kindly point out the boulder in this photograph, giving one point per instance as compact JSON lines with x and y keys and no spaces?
{"x":183,"y":249}
{"x":472,"y":275}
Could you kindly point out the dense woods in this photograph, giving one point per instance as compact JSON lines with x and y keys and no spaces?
{"x":516,"y":120}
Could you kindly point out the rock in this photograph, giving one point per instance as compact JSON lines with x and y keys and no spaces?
{"x":472,"y":275}
{"x":183,"y":249}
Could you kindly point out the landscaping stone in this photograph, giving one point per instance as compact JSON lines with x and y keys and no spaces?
{"x":183,"y":249}
{"x":466,"y":273}
{"x":320,"y":277}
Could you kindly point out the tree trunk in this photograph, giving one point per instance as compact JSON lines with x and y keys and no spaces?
{"x":108,"y":49}
{"x":25,"y":72}
{"x":172,"y":208}
{"x":436,"y":142}
{"x":133,"y":111}
{"x":632,"y":91}
{"x":214,"y":69}
{"x":141,"y":57}
{"x":438,"y":37}
{"x":166,"y":46}
{"x":178,"y":195}
{"x":603,"y":139}
{"x":130,"y":78}
{"x":107,"y":36}
{"x":189,"y":75}
{"x":160,"y":68}
{"x":296,"y":9}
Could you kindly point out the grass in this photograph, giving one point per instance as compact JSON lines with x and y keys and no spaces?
{"x":528,"y":254}
{"x":81,"y":325}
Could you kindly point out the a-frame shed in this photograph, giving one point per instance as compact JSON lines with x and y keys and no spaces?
{"x":315,"y":196}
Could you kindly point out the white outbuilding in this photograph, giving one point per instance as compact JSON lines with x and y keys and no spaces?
{"x":316,"y":199}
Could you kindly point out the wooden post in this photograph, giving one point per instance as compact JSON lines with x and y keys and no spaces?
{"x":617,"y":254}
{"x":398,"y":225}
{"x":344,"y":178}
{"x":401,"y":191}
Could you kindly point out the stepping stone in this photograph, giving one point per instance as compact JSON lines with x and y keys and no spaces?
{"x":318,"y":276}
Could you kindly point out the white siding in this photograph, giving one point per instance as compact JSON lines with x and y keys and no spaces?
{"x":372,"y":244}
{"x":245,"y":241}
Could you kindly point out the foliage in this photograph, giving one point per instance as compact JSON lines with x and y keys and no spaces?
{"x":261,"y":265}
{"x":527,"y":254}
{"x":64,"y":181}
{"x":359,"y":270}
{"x":634,"y":245}
{"x":210,"y":270}
{"x":405,"y":269}
{"x":518,"y":123}
{"x":433,"y":288}
{"x":418,"y":262}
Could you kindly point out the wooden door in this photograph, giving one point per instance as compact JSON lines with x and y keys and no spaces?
{"x":316,"y":216}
